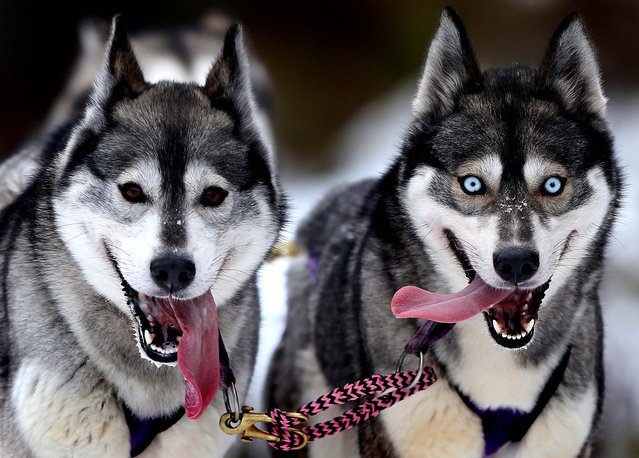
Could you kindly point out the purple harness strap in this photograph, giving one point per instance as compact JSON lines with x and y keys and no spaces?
{"x":505,"y":425}
{"x":502,"y":425}
{"x":429,"y":333}
{"x":142,"y":431}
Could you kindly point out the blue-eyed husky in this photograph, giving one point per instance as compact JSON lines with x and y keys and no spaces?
{"x":507,"y":178}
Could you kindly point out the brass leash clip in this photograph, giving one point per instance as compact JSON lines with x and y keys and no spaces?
{"x":247,"y":429}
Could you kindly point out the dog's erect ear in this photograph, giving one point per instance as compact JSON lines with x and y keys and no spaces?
{"x":570,"y":68}
{"x":227,"y":84}
{"x":450,"y":66}
{"x":120,"y":75}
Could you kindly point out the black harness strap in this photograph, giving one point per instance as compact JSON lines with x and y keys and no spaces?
{"x":143,"y":431}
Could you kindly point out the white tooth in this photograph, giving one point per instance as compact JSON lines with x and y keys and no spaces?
{"x":178,"y":338}
{"x":529,"y":297}
{"x":148,"y":336}
{"x":149,"y":318}
{"x":528,"y":326}
{"x":497,"y":327}
{"x":519,"y":336}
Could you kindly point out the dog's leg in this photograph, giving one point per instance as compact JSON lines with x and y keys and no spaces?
{"x":75,"y":411}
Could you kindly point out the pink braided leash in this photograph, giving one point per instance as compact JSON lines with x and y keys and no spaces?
{"x":403,"y":384}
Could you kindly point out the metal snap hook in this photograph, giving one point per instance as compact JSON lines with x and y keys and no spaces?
{"x":234,"y":411}
{"x":420,"y":370}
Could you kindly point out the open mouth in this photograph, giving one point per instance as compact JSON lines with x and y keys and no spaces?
{"x":158,"y":328}
{"x":511,"y":321}
{"x":182,"y":331}
{"x":159,"y":332}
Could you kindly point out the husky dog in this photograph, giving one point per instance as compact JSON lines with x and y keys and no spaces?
{"x":167,"y":191}
{"x":181,"y":54}
{"x":508,"y":177}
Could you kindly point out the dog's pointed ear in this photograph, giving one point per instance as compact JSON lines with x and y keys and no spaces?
{"x":228,"y":83}
{"x":450,"y":66}
{"x":571,"y":70}
{"x":120,"y":75}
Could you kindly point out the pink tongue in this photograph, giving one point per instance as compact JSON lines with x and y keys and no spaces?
{"x":413,"y":302}
{"x":198,"y":352}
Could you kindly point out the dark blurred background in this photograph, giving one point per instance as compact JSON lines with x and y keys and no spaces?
{"x":326,"y":59}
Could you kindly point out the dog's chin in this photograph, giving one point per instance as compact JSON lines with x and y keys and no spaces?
{"x":511,"y":322}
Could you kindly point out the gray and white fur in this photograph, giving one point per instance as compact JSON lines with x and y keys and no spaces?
{"x":68,"y":351}
{"x":180,"y":54}
{"x":513,"y":129}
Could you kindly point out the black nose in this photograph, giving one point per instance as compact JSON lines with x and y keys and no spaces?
{"x":516,"y":264}
{"x":172,"y":273}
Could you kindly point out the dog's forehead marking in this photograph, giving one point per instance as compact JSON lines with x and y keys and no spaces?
{"x":488,"y":167}
{"x":200,"y":175}
{"x":537,"y":168}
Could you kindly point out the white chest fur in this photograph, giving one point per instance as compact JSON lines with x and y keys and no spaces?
{"x":491,"y":375}
{"x":192,"y":438}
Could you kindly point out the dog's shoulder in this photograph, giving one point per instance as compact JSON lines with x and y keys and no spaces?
{"x":341,"y":207}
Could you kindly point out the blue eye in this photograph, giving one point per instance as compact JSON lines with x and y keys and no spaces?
{"x":553,"y":186}
{"x":472,"y":185}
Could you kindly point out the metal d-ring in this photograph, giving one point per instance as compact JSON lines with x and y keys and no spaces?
{"x":420,"y":371}
{"x":234,"y":413}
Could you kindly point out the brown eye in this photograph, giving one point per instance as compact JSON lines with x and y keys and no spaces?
{"x":213,"y":196}
{"x":132,"y":192}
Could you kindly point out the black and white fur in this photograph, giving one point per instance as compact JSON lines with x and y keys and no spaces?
{"x":513,"y":127}
{"x":69,"y":356}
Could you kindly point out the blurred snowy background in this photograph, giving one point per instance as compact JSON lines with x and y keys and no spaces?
{"x":342,"y":76}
